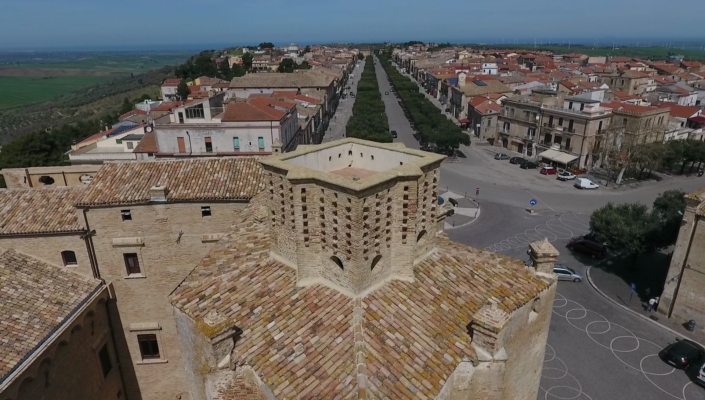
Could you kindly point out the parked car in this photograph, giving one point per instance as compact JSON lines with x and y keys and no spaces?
{"x":701,"y":375}
{"x":386,"y":92}
{"x":589,"y":247}
{"x":394,"y":134}
{"x":681,"y":353}
{"x":565,"y":176}
{"x":501,"y":156}
{"x":548,"y":171}
{"x":585,"y":183}
{"x":517,"y":160}
{"x":566,"y":273}
{"x":528,"y":165}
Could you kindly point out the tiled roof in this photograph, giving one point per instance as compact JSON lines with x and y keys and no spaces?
{"x":26,"y":211}
{"x":240,"y":112}
{"x":36,"y":298}
{"x":186,"y":180}
{"x":131,"y":113}
{"x":167,"y":106}
{"x":681,"y":111}
{"x":281,"y":80}
{"x":148,"y":144}
{"x":304,"y":340}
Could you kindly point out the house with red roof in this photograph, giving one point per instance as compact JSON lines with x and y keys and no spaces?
{"x":211,"y":127}
{"x":168,"y":88}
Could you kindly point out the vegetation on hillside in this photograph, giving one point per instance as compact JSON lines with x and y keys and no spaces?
{"x":369,"y":120}
{"x":427,"y":119}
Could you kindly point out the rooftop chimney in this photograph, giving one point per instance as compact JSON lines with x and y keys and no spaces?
{"x":157,"y":193}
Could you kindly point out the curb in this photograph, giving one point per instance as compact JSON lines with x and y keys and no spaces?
{"x":477,"y":215}
{"x":678,"y":334}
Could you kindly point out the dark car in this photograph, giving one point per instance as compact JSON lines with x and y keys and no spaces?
{"x":589,"y":247}
{"x":517,"y":160}
{"x":394,"y":134}
{"x":681,"y":353}
{"x":528,"y":165}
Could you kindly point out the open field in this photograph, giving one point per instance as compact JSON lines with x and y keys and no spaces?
{"x":121,"y":63}
{"x":636,"y":52}
{"x":22,"y":90}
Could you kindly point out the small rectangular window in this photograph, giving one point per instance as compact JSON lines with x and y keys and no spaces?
{"x":118,"y":141}
{"x":105,"y":363}
{"x":260,"y":143}
{"x":132,"y":264}
{"x":236,"y":143}
{"x":209,"y":145}
{"x":205,"y":211}
{"x":130,"y":145}
{"x":149,"y":347}
{"x":126,"y":215}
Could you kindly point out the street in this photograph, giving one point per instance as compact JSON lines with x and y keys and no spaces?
{"x":595,"y":349}
{"x":336,"y":128}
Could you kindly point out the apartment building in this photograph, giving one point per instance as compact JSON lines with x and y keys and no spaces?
{"x":637,"y":124}
{"x":115,"y":144}
{"x":465,"y":86}
{"x":211,"y":128}
{"x":630,"y":81}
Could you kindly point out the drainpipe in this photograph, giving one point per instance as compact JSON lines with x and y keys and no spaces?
{"x":685,"y":259}
{"x":190,"y":148}
{"x":271,"y":132}
{"x":88,"y":237}
{"x":582,"y":143}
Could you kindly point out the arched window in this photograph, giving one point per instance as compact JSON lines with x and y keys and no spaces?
{"x":420,"y":236}
{"x":337,"y":262}
{"x":46,"y":180}
{"x":375,"y":261}
{"x":69,"y":258}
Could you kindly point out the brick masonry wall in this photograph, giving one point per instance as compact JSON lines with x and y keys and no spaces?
{"x":525,"y":339}
{"x":690,"y":302}
{"x":195,"y":353}
{"x":69,"y":368}
{"x":48,"y":248}
{"x":171,"y":234}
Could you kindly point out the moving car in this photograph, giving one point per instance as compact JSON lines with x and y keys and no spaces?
{"x":528,"y":165}
{"x":548,"y":171}
{"x":681,"y":353}
{"x":394,"y":134}
{"x":516,"y":160}
{"x":585,"y":183}
{"x":565,"y":176}
{"x":589,"y":247}
{"x":565,"y":273}
{"x":501,"y":156}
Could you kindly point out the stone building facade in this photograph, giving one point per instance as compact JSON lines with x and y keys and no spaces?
{"x":682,"y":297}
{"x":151,"y":223}
{"x":65,"y":351}
{"x":40,"y":177}
{"x":341,"y":272}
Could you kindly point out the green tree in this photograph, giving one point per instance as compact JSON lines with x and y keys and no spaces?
{"x":304,"y":65}
{"x":668,"y":211}
{"x":247,"y":61}
{"x":286,"y":65}
{"x":238,"y":70}
{"x":627,"y":226}
{"x":360,"y":56}
{"x":307,"y":49}
{"x":126,"y":106}
{"x":266,"y":45}
{"x":183,"y":90}
{"x":224,"y":70}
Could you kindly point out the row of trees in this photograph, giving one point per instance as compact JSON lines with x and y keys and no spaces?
{"x":427,"y":119}
{"x":636,"y":229}
{"x":369,"y":120}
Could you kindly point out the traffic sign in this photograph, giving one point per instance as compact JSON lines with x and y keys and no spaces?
{"x":532,"y":202}
{"x":633,"y":287}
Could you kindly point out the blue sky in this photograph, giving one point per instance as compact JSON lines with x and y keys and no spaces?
{"x":97,"y":24}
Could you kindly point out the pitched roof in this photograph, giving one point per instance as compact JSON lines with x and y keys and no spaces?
{"x":249,"y":111}
{"x":37,"y":298}
{"x":27,"y":211}
{"x":475,"y":88}
{"x":167,"y":106}
{"x":148,"y":144}
{"x":186,"y":180}
{"x":285,"y":327}
{"x":131,"y":113}
{"x":282,"y":80}
{"x":681,"y":111}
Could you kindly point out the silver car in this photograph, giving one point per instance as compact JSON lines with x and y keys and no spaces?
{"x":566,"y":273}
{"x":501,"y":156}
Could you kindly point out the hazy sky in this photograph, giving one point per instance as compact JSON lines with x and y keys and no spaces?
{"x":30,"y":24}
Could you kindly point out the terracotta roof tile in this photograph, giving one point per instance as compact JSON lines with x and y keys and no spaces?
{"x":131,"y":113}
{"x":239,"y":112}
{"x":36,"y":298}
{"x":302,"y":340}
{"x":186,"y":180}
{"x":148,"y":144}
{"x":39,"y":210}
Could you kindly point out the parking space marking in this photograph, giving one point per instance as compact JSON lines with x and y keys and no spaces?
{"x":565,"y":226}
{"x":622,"y":343}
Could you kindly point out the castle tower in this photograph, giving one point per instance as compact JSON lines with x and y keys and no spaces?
{"x":352,"y":214}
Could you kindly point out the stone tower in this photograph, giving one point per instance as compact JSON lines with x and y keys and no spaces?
{"x":352,"y":214}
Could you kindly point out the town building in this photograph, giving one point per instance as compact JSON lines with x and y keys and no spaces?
{"x":465,"y":86}
{"x":681,"y":299}
{"x":633,"y":125}
{"x":168,"y":89}
{"x":340,"y":271}
{"x":39,"y":177}
{"x":57,"y":337}
{"x":115,"y":144}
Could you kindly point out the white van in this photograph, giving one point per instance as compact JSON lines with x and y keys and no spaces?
{"x":584,"y":183}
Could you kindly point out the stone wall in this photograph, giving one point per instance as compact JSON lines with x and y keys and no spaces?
{"x":169,"y":242}
{"x":49,"y":247}
{"x":69,"y":367}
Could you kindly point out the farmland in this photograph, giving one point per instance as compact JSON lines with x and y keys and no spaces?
{"x":23,"y":90}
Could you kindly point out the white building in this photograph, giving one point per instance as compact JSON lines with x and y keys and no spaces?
{"x":115,"y":144}
{"x":489,"y":68}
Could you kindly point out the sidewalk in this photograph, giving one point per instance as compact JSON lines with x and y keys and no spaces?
{"x":613,"y":278}
{"x":466,"y":211}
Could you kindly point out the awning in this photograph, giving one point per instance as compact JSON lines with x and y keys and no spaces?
{"x":558,"y":156}
{"x":698,"y":120}
{"x":464,"y":121}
